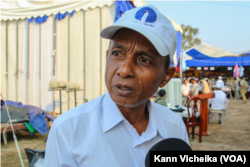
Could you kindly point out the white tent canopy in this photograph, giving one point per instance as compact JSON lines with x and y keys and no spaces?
{"x":22,"y":9}
{"x":70,"y":49}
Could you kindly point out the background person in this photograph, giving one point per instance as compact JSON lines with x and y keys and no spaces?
{"x":220,"y":82}
{"x":243,"y":88}
{"x":162,"y":97}
{"x":195,"y":87}
{"x":218,"y":103}
{"x":185,"y":90}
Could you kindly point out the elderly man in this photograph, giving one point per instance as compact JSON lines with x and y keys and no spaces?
{"x":119,"y":128}
{"x":218,"y":103}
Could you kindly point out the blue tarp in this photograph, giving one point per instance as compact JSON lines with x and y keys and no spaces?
{"x":36,"y":117}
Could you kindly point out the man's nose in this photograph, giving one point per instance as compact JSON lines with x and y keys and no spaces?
{"x":126,"y":69}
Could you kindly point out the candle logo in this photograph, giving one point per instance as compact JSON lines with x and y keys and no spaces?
{"x":146,"y":15}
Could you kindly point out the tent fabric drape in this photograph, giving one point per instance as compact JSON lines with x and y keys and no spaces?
{"x":76,"y":58}
{"x":4,"y":59}
{"x":23,"y":30}
{"x":107,"y":19}
{"x":12,"y":60}
{"x":122,"y":7}
{"x":46,"y":63}
{"x":92,"y":52}
{"x":23,"y":9}
{"x":34,"y":64}
{"x":62,"y":60}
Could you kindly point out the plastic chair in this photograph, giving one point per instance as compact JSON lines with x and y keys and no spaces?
{"x":215,"y":114}
{"x":192,"y":121}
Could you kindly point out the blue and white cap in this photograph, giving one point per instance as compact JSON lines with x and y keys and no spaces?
{"x":148,"y":21}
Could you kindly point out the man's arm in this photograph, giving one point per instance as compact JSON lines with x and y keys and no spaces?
{"x":57,"y":153}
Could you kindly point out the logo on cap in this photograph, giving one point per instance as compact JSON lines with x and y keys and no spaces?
{"x":146,"y":14}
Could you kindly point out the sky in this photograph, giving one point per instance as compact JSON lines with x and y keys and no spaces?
{"x":223,"y":24}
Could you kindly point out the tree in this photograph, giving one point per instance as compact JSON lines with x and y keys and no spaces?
{"x":189,"y":38}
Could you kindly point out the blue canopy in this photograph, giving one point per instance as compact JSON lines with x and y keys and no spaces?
{"x":204,"y":55}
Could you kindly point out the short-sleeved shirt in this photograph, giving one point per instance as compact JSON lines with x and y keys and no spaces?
{"x":185,"y":89}
{"x":97,"y":134}
{"x":195,"y":89}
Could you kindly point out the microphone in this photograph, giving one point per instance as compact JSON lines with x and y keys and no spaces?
{"x":170,"y":144}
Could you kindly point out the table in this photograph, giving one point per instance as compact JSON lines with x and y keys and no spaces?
{"x":16,"y":126}
{"x":185,"y":112}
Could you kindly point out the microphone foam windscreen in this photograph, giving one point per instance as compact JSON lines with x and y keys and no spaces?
{"x":171,"y":144}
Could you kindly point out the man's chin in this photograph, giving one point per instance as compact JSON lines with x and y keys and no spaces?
{"x":130,"y":105}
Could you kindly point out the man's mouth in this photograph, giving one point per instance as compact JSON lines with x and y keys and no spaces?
{"x":123,"y":90}
{"x":126,"y":88}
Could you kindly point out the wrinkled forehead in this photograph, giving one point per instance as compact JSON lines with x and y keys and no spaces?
{"x":127,"y":36}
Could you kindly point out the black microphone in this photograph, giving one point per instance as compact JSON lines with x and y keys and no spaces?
{"x":170,"y":144}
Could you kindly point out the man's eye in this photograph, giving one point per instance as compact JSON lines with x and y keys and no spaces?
{"x":144,"y":60}
{"x":116,"y":53}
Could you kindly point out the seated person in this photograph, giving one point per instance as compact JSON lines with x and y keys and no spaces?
{"x":218,"y":103}
{"x":161,"y":99}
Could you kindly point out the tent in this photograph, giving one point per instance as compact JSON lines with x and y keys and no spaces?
{"x":204,"y":55}
{"x":48,"y":40}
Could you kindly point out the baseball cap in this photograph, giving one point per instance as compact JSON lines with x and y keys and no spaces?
{"x":152,"y":24}
{"x":217,"y":86}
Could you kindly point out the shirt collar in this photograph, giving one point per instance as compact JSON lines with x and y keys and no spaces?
{"x":154,"y":123}
{"x":111,"y":113}
{"x":112,"y":116}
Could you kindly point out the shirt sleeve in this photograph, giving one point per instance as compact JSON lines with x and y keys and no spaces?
{"x":57,"y":153}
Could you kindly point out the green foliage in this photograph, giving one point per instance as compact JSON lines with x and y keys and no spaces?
{"x":189,"y":36}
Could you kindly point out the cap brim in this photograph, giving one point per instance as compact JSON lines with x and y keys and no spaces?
{"x":108,"y":33}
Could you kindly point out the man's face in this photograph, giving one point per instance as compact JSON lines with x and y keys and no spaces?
{"x":186,"y":82}
{"x":134,"y":69}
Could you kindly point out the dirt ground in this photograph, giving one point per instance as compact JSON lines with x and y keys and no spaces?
{"x":235,"y":135}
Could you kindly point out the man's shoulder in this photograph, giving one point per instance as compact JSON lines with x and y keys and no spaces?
{"x":84,"y":110}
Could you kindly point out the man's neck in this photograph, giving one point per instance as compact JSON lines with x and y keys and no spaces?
{"x":137,"y":117}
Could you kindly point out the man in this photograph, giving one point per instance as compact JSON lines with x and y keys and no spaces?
{"x":162,"y":96}
{"x":195,"y":87}
{"x":119,"y":128}
{"x":220,"y":82}
{"x":218,"y":103}
{"x":243,"y":88}
{"x":185,"y":92}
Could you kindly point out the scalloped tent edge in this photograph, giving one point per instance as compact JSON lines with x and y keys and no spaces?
{"x":9,"y":15}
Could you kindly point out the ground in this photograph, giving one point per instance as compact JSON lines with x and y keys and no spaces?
{"x":235,"y":135}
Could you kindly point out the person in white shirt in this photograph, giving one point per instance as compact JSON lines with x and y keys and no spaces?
{"x":220,"y":82}
{"x":118,"y":128}
{"x":218,"y":103}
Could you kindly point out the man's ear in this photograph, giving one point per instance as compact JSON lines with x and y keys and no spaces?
{"x":169,"y":74}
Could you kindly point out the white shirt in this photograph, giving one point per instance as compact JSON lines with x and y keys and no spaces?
{"x":185,"y":89}
{"x":218,"y":103}
{"x":221,"y":83}
{"x":97,"y":134}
